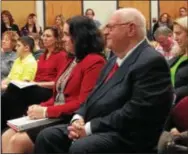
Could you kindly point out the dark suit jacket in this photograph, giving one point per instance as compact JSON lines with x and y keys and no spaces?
{"x":80,"y":83}
{"x":181,"y":78}
{"x":135,"y":102}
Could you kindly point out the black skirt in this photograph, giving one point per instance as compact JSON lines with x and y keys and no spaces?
{"x":33,"y":133}
{"x":15,"y":101}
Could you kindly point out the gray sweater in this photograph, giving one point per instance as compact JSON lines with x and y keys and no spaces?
{"x":7,"y":59}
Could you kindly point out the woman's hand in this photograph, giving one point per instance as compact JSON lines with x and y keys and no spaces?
{"x":36,"y":112}
{"x":174,"y":132}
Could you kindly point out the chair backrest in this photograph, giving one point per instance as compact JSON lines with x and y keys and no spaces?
{"x":180,"y":114}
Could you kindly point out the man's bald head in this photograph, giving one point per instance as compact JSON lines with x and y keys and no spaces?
{"x":124,"y":30}
{"x":134,"y":16}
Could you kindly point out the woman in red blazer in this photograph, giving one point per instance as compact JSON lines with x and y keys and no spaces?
{"x":84,"y":61}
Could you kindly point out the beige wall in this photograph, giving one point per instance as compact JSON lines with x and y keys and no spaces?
{"x":103,"y":9}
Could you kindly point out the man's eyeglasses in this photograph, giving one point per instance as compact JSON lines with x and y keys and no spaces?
{"x":111,"y":27}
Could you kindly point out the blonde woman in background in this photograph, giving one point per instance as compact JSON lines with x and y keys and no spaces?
{"x":8,"y":54}
{"x":179,"y":64}
{"x":59,"y":22}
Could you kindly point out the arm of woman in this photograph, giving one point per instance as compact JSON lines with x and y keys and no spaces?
{"x":90,"y":77}
{"x":49,"y":84}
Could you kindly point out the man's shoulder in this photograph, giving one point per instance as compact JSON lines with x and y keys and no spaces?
{"x":149,"y":56}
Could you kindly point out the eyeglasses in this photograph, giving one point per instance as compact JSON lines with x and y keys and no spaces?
{"x":111,"y":27}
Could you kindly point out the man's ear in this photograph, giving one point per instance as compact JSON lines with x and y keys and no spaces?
{"x":132,"y":30}
{"x":27,"y":48}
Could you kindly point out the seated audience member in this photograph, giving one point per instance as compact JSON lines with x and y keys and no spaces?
{"x":59,"y":22}
{"x":179,"y":64}
{"x":175,"y":137}
{"x":31,"y":26}
{"x":49,"y":65}
{"x":168,"y":47}
{"x":37,"y":52}
{"x":75,"y":81}
{"x":164,"y":20}
{"x":7,"y":22}
{"x":126,"y":110}
{"x":8,"y":54}
{"x":91,"y":14}
{"x":24,"y":67}
{"x":183,"y":12}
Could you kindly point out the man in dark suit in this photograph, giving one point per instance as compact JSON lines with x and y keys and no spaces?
{"x":127,"y":109}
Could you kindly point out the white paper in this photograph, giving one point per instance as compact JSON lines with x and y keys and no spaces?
{"x":24,"y":121}
{"x":22,"y":84}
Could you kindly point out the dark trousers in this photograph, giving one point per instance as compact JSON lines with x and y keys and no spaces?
{"x":55,"y":140}
{"x":15,"y":101}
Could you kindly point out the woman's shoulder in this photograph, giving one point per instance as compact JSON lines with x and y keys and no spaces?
{"x":15,"y":26}
{"x":93,"y":58}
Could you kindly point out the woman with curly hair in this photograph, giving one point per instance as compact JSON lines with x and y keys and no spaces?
{"x":7,"y":22}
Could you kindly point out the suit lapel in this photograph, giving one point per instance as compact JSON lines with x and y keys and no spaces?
{"x":103,"y":77}
{"x":119,"y":74}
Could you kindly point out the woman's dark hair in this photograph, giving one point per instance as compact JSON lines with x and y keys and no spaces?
{"x":27,"y":41}
{"x":9,"y":15}
{"x":59,"y":43}
{"x":169,"y":21}
{"x":86,"y":37}
{"x":93,"y":13}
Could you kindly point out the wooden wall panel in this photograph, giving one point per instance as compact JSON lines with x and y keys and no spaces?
{"x":19,"y":10}
{"x":66,"y":8}
{"x":143,"y":6}
{"x":172,"y":7}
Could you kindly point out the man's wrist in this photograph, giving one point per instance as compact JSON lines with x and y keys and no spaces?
{"x":76,"y":117}
{"x":88,"y":128}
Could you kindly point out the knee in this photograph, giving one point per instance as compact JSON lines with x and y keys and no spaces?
{"x":77,"y":148}
{"x":16,"y":141}
{"x":43,"y":136}
{"x":4,"y":137}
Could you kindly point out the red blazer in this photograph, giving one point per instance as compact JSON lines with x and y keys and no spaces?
{"x":79,"y":85}
{"x":48,"y":69}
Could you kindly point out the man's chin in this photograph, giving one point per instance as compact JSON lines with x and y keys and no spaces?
{"x":108,"y":45}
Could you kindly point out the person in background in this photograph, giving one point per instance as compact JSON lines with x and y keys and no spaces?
{"x":37,"y":50}
{"x":126,"y":111}
{"x":179,"y":64}
{"x":183,"y":12}
{"x":59,"y":22}
{"x":7,"y":23}
{"x":164,"y":20}
{"x":25,"y":66}
{"x":168,"y":46}
{"x":49,"y":65}
{"x":8,"y":54}
{"x":31,"y":26}
{"x":91,"y":14}
{"x":75,"y":81}
{"x":174,"y":138}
